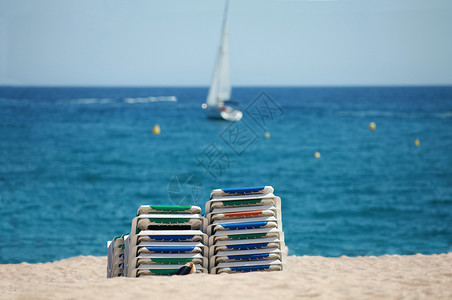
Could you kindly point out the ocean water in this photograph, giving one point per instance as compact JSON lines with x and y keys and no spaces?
{"x":76,"y":163}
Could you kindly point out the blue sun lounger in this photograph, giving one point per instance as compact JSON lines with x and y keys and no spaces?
{"x":163,"y":238}
{"x":245,"y":230}
{"x":242,"y":232}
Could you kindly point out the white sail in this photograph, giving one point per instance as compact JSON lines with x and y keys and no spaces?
{"x":220,"y":88}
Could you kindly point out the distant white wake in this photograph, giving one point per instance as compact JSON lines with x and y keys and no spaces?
{"x":151,"y":99}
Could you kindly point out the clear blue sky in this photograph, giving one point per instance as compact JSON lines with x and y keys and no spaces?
{"x":272,"y":42}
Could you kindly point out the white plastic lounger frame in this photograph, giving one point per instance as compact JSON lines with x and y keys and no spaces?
{"x":247,"y":247}
{"x":239,"y":258}
{"x":247,"y":235}
{"x":243,"y":201}
{"x":246,"y":252}
{"x":144,"y":223}
{"x":166,"y":259}
{"x":168,"y":209}
{"x":259,"y":222}
{"x":233,"y":267}
{"x":115,"y":256}
{"x":179,"y":219}
{"x":109,"y":258}
{"x":250,"y":244}
{"x":234,"y":227}
{"x":244,"y":212}
{"x":134,"y":249}
{"x":241,"y":191}
{"x":244,"y":255}
{"x":163,"y":268}
{"x":164,"y":235}
{"x":268,"y":268}
{"x":150,"y":259}
{"x":162,"y":248}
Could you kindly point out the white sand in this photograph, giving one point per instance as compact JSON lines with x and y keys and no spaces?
{"x":393,"y":277}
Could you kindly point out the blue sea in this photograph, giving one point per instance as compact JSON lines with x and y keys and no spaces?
{"x":76,"y":163}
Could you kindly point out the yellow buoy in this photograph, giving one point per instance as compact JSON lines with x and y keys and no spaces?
{"x":317,"y":155}
{"x":417,"y":142}
{"x":267,"y":135}
{"x":156,"y":130}
{"x":372,"y":126}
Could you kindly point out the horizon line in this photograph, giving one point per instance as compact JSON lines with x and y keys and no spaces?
{"x":207,"y":86}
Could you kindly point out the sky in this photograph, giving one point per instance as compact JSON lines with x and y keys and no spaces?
{"x":272,"y":42}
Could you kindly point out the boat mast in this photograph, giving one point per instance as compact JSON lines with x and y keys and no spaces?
{"x":220,"y":88}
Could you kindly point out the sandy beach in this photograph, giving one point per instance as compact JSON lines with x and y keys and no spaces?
{"x":389,"y":277}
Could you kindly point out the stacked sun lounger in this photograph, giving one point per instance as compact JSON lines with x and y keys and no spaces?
{"x":245,"y":230}
{"x":115,"y":265}
{"x":163,"y":239}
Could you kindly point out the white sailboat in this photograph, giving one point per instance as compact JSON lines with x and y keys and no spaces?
{"x":220,"y":88}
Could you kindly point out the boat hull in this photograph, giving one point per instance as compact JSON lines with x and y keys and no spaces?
{"x":224,"y":113}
